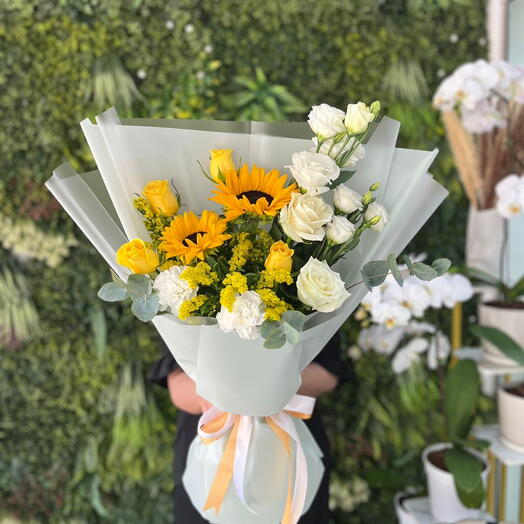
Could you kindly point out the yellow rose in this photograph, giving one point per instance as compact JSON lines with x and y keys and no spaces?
{"x":136,"y":256}
{"x":221,"y":163}
{"x":279,"y":256}
{"x":161,"y":198}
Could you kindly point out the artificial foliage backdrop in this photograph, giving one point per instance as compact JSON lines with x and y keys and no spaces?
{"x":83,"y":436}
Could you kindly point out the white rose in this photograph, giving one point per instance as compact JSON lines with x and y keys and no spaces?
{"x":319,"y":287}
{"x":313,"y":171}
{"x":340,"y":230}
{"x":358,"y":117}
{"x":333,"y":150}
{"x":247,"y":315}
{"x":304,"y":217}
{"x":346,"y":200}
{"x":326,"y":121}
{"x":377,"y":210}
{"x":173,"y":290}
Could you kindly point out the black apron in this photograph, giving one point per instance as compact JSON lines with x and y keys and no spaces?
{"x":184,"y":512}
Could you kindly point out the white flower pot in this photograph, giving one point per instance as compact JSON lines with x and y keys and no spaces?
{"x":443,"y":499}
{"x":511,"y":418}
{"x":484,"y":236}
{"x":508,"y":320}
{"x":403,"y":516}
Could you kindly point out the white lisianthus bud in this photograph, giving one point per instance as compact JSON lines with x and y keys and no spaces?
{"x":326,"y":121}
{"x":340,"y":230}
{"x":173,"y":290}
{"x":304,"y":216}
{"x":376,"y":210}
{"x":246,"y":316}
{"x":346,"y":200}
{"x":319,"y":287}
{"x":358,"y":117}
{"x":313,"y":171}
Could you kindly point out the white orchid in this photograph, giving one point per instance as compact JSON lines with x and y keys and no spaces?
{"x":410,"y":353}
{"x":438,"y":350}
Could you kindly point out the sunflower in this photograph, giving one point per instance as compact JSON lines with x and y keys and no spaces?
{"x":189,"y":236}
{"x":258,"y":192}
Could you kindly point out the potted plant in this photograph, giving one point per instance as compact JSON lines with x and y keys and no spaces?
{"x":510,"y":397}
{"x":482,"y":110}
{"x":456,"y":471}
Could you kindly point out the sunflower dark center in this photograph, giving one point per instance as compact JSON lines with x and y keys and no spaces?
{"x":192,"y":237}
{"x":253,"y":196}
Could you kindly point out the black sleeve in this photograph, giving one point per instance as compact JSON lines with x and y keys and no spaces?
{"x":330,"y":359}
{"x":162,"y":368}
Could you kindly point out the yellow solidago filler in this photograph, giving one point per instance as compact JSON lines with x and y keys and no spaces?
{"x":168,"y":264}
{"x":241,"y":251}
{"x":271,"y":277}
{"x":188,"y":307}
{"x":228,"y":295}
{"x":155,"y":224}
{"x":274,"y":305}
{"x":261,"y":247}
{"x":235,"y":283}
{"x":199,"y":275}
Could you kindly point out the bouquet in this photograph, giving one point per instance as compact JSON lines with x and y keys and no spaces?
{"x":247,"y":274}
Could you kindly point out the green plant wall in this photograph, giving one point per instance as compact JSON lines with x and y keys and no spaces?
{"x":83,"y":437}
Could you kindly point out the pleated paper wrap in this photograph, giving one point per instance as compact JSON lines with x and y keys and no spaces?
{"x":236,"y":375}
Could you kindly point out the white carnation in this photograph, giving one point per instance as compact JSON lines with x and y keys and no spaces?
{"x":340,"y":230}
{"x":173,"y":290}
{"x":246,"y":316}
{"x":313,"y":171}
{"x":326,"y":121}
{"x":319,"y":287}
{"x":377,"y":210}
{"x":304,"y":216}
{"x":346,"y":200}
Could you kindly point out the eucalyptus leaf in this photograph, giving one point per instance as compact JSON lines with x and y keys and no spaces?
{"x":441,"y":266}
{"x":112,"y":292}
{"x":393,"y":267}
{"x":145,"y":308}
{"x":374,"y":273}
{"x":295,"y":319}
{"x":269,"y":328}
{"x":292,"y":334}
{"x":139,"y":286}
{"x":503,"y":342}
{"x":407,"y":261}
{"x":467,"y":475}
{"x":275,"y":341}
{"x":424,"y":272}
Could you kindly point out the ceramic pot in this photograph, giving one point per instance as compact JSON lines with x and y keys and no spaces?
{"x":443,"y":499}
{"x":508,"y":320}
{"x":511,"y":417}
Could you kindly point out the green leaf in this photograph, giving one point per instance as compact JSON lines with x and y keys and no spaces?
{"x":462,"y":392}
{"x":270,"y":328}
{"x":374,"y":273}
{"x":473,"y":443}
{"x":424,"y":272}
{"x":139,"y":286}
{"x":503,"y":342}
{"x":145,"y":308}
{"x":295,"y":319}
{"x":112,"y":292}
{"x":517,"y":290}
{"x":441,"y":266}
{"x":467,"y":475}
{"x":393,"y":267}
{"x":98,"y":323}
{"x":275,"y":341}
{"x":292,"y":334}
{"x":342,"y":178}
{"x":407,"y":261}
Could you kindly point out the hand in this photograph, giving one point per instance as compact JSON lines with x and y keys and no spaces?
{"x":183,"y":394}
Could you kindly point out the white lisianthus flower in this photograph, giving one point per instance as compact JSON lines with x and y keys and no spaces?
{"x":313,"y":171}
{"x":247,"y":315}
{"x":390,"y":314}
{"x":304,"y":216}
{"x":377,"y":210}
{"x":358,"y":117}
{"x":347,"y":200}
{"x":340,"y":230}
{"x":319,"y":287}
{"x":326,"y":121}
{"x":173,"y":290}
{"x":334,"y":150}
